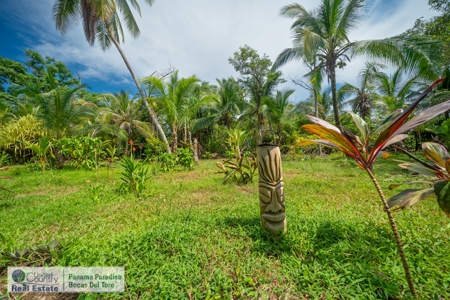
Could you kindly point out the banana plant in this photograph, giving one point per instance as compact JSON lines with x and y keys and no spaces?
{"x":361,"y":148}
{"x":438,"y":167}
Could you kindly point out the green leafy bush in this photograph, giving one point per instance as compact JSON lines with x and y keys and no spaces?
{"x":185,"y":158}
{"x":5,"y":159}
{"x":154,"y":148}
{"x":241,"y":169}
{"x":83,"y":152}
{"x":168,"y":161}
{"x":133,"y":176}
{"x":207,"y":155}
{"x":15,"y":136}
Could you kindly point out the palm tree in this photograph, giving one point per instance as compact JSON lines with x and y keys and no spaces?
{"x":224,"y":107}
{"x":279,"y":107}
{"x":122,"y":110}
{"x":393,"y":90}
{"x":176,"y":104}
{"x":323,"y":35}
{"x":258,"y":92}
{"x":363,"y":100}
{"x":101,"y":21}
{"x":58,"y":111}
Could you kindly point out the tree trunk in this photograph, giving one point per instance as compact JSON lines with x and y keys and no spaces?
{"x":396,"y":235}
{"x":152,"y":114}
{"x":195,"y":150}
{"x":259,"y":124}
{"x":332,"y":76}
{"x":174,"y":139}
{"x":279,"y":135}
{"x":316,"y":113}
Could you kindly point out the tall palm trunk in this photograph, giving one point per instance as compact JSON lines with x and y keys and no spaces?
{"x":316,"y":112}
{"x":260,"y":124}
{"x":332,"y":76}
{"x":174,"y":138}
{"x":152,"y":114}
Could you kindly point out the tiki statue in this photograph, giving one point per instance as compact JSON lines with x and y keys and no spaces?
{"x":271,"y":192}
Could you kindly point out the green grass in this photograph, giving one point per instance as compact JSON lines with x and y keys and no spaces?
{"x":191,"y":237}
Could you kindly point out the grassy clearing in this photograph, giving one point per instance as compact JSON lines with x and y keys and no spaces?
{"x":191,"y":237}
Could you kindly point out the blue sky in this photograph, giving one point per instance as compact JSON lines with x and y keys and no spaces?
{"x":195,"y":37}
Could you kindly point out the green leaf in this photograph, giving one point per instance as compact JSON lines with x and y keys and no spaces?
{"x":442,"y":191}
{"x":394,"y":186}
{"x":436,"y":153}
{"x":423,"y":163}
{"x":417,"y":168}
{"x":362,"y":126}
{"x":409,"y":197}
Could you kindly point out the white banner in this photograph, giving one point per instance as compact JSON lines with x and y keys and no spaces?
{"x":65,"y":279}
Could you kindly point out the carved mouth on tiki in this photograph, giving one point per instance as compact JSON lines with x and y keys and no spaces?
{"x":274,"y":218}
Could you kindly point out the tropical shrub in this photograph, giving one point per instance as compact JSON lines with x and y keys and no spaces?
{"x":168,"y":161}
{"x":154,"y":148}
{"x":133,"y":176}
{"x":185,"y":158}
{"x":207,"y":155}
{"x":5,"y":159}
{"x":83,"y":152}
{"x":242,"y":169}
{"x":42,"y":149}
{"x":364,"y":149}
{"x":230,"y":154}
{"x":15,"y":136}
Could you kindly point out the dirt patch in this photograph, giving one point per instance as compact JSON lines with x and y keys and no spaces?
{"x":66,"y":191}
{"x":32,"y":194}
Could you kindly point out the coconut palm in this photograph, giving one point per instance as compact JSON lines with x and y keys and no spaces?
{"x":363,"y":100}
{"x":102,"y":22}
{"x":278,"y":108}
{"x":323,"y":35}
{"x":174,"y":98}
{"x":122,"y":110}
{"x":259,"y":91}
{"x":58,"y":111}
{"x":394,"y":91}
{"x":224,"y":107}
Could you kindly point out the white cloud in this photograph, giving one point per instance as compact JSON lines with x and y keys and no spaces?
{"x":198,"y":37}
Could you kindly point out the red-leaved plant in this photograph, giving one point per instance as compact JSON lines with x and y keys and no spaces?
{"x":438,"y":167}
{"x":364,"y":152}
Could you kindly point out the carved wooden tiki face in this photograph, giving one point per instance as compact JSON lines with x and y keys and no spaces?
{"x":271,"y":192}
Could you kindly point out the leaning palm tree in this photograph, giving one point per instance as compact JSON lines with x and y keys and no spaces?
{"x":175,"y":99}
{"x":363,"y":98}
{"x":102,"y":21}
{"x":323,"y":35}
